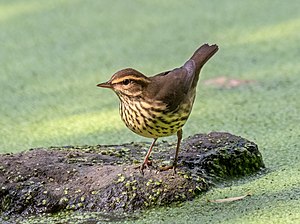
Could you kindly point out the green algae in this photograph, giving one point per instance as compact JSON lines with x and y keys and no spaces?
{"x":37,"y":188}
{"x":48,"y":101}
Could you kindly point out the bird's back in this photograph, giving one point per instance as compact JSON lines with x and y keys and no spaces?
{"x":175,"y":86}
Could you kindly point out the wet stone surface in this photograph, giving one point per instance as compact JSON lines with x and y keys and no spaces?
{"x":103,"y":178}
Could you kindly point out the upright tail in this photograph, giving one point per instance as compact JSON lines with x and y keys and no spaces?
{"x":199,"y":58}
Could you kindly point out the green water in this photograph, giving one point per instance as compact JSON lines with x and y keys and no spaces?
{"x":54,"y":53}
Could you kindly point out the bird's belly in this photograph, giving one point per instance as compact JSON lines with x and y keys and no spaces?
{"x":154,"y":123}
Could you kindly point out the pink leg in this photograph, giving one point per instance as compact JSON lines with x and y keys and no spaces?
{"x":146,"y":159}
{"x":179,"y":137}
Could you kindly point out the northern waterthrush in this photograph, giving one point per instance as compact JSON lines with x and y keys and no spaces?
{"x":159,"y":106}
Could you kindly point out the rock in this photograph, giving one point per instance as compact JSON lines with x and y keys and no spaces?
{"x":104,"y":179}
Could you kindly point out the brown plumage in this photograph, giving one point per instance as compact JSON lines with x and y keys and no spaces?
{"x":159,"y":106}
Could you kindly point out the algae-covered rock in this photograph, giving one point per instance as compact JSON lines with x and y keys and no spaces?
{"x":221,"y":155}
{"x":104,"y":179}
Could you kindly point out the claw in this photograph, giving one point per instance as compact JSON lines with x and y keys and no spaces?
{"x":143,"y":166}
{"x":165,"y":168}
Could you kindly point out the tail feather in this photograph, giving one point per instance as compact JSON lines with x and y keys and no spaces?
{"x":199,"y":58}
{"x":203,"y":54}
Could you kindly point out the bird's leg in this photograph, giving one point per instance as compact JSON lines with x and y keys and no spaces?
{"x":146,"y":161}
{"x":179,"y":137}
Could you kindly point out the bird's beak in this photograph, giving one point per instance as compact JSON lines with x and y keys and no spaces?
{"x":105,"y":85}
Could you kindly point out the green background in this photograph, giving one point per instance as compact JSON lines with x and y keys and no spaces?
{"x":53,"y":53}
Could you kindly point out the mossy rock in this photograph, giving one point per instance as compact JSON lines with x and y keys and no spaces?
{"x":104,"y":179}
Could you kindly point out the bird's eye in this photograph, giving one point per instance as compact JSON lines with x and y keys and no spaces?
{"x":126,"y":81}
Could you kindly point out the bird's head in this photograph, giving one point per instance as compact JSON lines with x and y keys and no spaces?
{"x":127,"y":82}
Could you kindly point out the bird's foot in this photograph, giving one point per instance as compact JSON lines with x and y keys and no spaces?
{"x":165,"y":168}
{"x":146,"y":164}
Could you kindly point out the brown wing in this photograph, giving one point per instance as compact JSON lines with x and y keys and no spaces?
{"x":173,"y":87}
{"x":170,"y":87}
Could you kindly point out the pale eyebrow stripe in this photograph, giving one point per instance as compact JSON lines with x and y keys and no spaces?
{"x":130,"y":78}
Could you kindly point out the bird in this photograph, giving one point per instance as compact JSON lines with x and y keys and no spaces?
{"x":159,"y":106}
